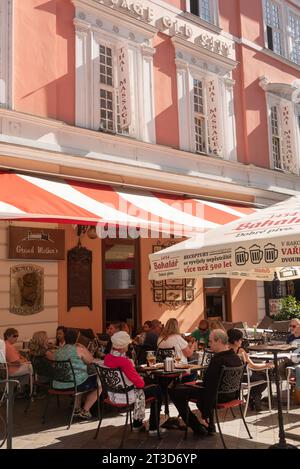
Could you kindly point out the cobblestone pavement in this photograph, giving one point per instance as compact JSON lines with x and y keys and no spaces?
{"x":29,"y":432}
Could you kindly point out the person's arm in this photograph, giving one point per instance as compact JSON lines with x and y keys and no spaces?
{"x":50,"y":355}
{"x":252,"y":365}
{"x":131,"y":373}
{"x":84,"y":354}
{"x":189,"y":350}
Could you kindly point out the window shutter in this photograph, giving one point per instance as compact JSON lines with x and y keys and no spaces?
{"x":287,"y":139}
{"x":213,"y":117}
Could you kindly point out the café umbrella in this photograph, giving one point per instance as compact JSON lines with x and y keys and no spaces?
{"x":254,"y":247}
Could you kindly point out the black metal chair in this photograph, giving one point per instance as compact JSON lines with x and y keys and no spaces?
{"x":162,"y":353}
{"x":113,"y":381}
{"x":63,"y":372}
{"x":230,"y":383}
{"x":42,"y":376}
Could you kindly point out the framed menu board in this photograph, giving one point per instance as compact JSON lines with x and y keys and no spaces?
{"x":79,"y":273}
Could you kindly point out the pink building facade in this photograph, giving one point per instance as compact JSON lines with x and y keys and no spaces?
{"x":189,"y":97}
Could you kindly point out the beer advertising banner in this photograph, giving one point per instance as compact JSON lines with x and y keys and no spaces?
{"x":253,"y":247}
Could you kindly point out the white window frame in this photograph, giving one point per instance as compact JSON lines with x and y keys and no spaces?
{"x":214,"y":11}
{"x":281,"y":30}
{"x":294,"y":12}
{"x":285,"y":9}
{"x":185,"y":89}
{"x":114,"y":46}
{"x":88,"y":38}
{"x":275,"y":100}
{"x":6,"y":54}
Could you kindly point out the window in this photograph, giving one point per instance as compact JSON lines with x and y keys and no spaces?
{"x":205,"y":9}
{"x":110,"y":119}
{"x":207,"y":137}
{"x":114,"y":76}
{"x":274,"y":26}
{"x":294,"y":36}
{"x":282,"y":29}
{"x":199,"y":119}
{"x":283,"y":134}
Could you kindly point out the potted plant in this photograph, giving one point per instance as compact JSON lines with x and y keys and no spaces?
{"x":289,"y":309}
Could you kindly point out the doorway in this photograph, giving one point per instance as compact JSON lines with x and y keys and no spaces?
{"x":216,"y":299}
{"x":121,"y":280}
{"x":121,"y":309}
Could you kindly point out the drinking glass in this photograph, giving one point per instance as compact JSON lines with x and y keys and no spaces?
{"x":177,"y":359}
{"x":151,"y":358}
{"x":201,"y":344}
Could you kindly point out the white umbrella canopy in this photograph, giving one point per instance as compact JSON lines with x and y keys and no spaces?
{"x":253,"y":247}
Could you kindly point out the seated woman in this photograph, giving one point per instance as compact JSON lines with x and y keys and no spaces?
{"x":80,"y":357}
{"x":117,"y":359}
{"x":18,"y":366}
{"x":170,"y":337}
{"x":38,"y":350}
{"x":60,"y":336}
{"x":235,"y":338}
{"x":39,"y":346}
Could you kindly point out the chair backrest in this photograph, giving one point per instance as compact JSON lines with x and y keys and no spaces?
{"x":3,"y":378}
{"x":162,"y":353}
{"x":42,"y":367}
{"x":227,"y":325}
{"x":279,"y":336}
{"x":239,"y":325}
{"x":206,"y":357}
{"x":281,"y":326}
{"x":83,"y":340}
{"x":89,"y":333}
{"x":63,"y":372}
{"x":3,"y":371}
{"x":265,"y":323}
{"x":230,"y":380}
{"x":113,"y":380}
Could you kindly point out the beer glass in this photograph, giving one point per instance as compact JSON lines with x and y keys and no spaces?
{"x":151,"y":358}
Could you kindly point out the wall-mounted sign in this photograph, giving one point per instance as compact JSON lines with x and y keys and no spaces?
{"x":35,"y":243}
{"x":171,"y":23}
{"x":26,"y":289}
{"x":124,"y":88}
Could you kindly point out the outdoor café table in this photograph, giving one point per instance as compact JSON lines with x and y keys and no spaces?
{"x":276,"y":350}
{"x":165,"y":376}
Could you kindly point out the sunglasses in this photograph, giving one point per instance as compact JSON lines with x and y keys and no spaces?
{"x":15,"y":336}
{"x":292,"y":326}
{"x":202,"y":330}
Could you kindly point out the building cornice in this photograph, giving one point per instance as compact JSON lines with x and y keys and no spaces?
{"x":30,"y":138}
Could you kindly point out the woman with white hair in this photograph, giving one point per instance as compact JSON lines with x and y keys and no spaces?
{"x":117,"y":359}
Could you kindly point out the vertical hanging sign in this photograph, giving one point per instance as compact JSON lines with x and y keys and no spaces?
{"x":124,"y":88}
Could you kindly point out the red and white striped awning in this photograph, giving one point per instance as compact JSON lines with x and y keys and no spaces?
{"x":26,"y":197}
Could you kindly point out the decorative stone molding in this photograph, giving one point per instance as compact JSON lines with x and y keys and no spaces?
{"x":6,"y":53}
{"x":171,"y":21}
{"x":287,"y":91}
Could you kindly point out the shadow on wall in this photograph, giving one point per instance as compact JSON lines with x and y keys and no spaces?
{"x":58,"y":95}
{"x":166,"y":120}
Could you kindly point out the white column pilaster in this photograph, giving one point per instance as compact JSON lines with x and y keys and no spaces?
{"x":83,"y":85}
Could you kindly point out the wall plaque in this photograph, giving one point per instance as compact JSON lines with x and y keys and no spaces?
{"x":79,"y":272}
{"x":26,"y":289}
{"x":35,"y":243}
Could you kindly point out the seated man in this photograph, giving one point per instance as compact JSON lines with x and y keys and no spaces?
{"x":202,"y":333}
{"x":206,"y":393}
